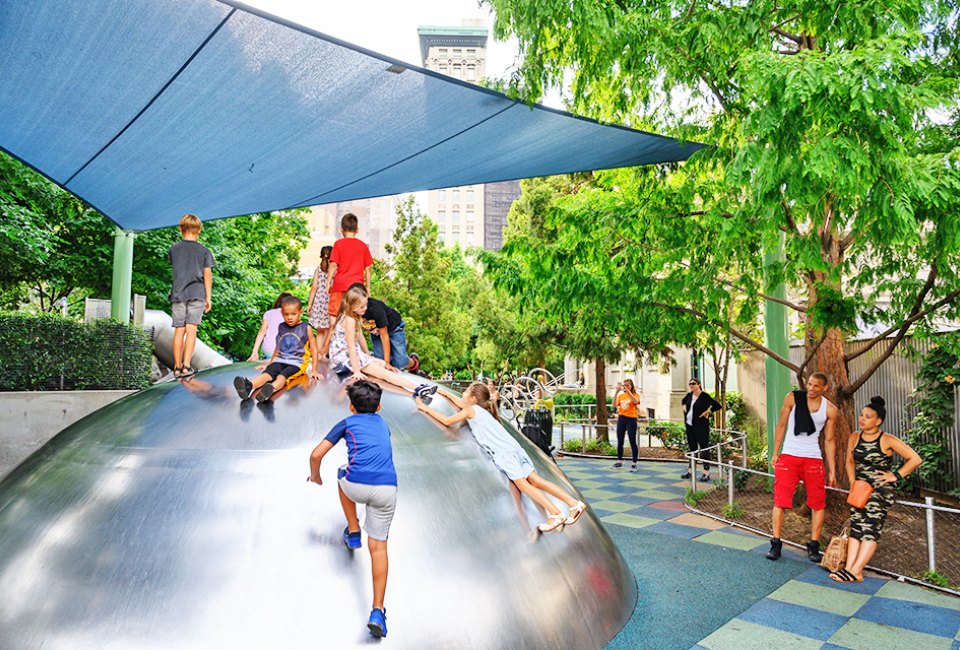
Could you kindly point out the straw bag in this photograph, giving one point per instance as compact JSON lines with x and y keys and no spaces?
{"x":835,"y":557}
{"x":860,"y":492}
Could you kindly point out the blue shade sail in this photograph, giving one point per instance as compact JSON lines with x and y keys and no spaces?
{"x":148,"y":109}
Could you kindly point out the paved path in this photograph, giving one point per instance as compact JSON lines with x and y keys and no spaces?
{"x":707,"y":585}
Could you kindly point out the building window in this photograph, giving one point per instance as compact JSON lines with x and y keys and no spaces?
{"x":442,"y":50}
{"x":456,"y":196}
{"x":471,"y":51}
{"x":442,"y":214}
{"x":457,"y":50}
{"x":469,"y":196}
{"x":443,"y":68}
{"x":456,"y":70}
{"x":456,"y":216}
{"x":471,"y":73}
{"x":469,"y":216}
{"x":469,"y":228}
{"x":441,"y":195}
{"x":455,"y":231}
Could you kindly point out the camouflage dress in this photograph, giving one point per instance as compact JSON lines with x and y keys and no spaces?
{"x":867,"y":522}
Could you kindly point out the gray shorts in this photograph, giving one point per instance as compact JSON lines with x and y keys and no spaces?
{"x":187,"y":312}
{"x":381,"y":501}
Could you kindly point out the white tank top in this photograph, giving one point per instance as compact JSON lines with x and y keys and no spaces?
{"x":805,"y":446}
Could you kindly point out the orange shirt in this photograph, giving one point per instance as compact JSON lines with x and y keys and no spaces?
{"x":625,"y":407}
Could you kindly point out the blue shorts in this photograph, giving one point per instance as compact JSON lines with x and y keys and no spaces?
{"x":398,"y":347}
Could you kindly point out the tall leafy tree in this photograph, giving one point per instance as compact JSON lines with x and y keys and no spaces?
{"x":835,"y":129}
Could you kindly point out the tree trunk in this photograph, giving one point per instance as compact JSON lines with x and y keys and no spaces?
{"x":603,"y":416}
{"x":830,"y":361}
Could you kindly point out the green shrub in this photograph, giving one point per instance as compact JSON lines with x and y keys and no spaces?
{"x":693,"y":497}
{"x":463,"y":375}
{"x":732,"y":510}
{"x":593,"y":446}
{"x":935,"y":578}
{"x":47,"y":352}
{"x":673,"y":435}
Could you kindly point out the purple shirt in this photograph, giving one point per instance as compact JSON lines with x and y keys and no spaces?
{"x":273,"y":318}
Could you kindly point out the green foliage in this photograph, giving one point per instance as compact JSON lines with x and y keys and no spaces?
{"x":694,"y":497}
{"x":732,"y":510}
{"x":576,"y":406}
{"x":740,"y":479}
{"x":934,"y":402}
{"x":935,"y":578}
{"x":48,"y":352}
{"x":835,"y":128}
{"x":736,"y":411}
{"x":593,"y":446}
{"x":673,"y":435}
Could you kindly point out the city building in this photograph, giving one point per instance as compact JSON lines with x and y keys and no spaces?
{"x":472,"y":215}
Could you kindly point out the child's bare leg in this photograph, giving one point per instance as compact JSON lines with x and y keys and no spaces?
{"x":376,"y":368}
{"x":537,"y":496}
{"x":178,"y":347}
{"x":379,"y":563}
{"x":323,"y":340}
{"x":349,"y":511}
{"x":260,"y":380}
{"x":189,"y":342}
{"x":279,"y":382}
{"x":553,"y":489}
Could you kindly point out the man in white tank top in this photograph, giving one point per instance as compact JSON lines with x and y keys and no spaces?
{"x":796,"y":456}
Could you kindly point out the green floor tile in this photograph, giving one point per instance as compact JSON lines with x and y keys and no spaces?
{"x":630,"y":521}
{"x":825,"y":599}
{"x":599,"y":494}
{"x":916,"y":594}
{"x":741,"y":635}
{"x":613,"y":506}
{"x":865,"y":635}
{"x":587,"y":484}
{"x":727,"y":540}
{"x":658,"y":495}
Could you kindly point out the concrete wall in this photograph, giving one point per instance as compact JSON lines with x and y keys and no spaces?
{"x":29,"y":419}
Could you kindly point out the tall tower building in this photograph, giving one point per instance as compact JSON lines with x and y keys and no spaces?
{"x":471,"y":215}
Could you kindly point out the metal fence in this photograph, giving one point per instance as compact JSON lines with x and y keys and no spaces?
{"x":919,"y":540}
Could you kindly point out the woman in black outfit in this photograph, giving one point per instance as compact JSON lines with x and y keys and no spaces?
{"x":698,"y":407}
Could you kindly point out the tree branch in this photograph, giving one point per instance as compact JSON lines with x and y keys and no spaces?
{"x":810,"y":357}
{"x":787,"y":35}
{"x":736,"y":333}
{"x":912,"y":317}
{"x":788,"y":214}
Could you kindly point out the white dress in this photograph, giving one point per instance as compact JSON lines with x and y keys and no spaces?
{"x":338,"y":349}
{"x":506,"y":453}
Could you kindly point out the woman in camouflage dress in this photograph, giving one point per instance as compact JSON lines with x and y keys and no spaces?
{"x":870,"y":458}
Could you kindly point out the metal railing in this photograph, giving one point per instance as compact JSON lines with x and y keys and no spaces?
{"x":914,"y":520}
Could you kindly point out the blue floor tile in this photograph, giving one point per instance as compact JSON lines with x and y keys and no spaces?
{"x":928,"y":619}
{"x":794,"y":618}
{"x":653,"y":513}
{"x":638,"y":500}
{"x":600,"y":512}
{"x":676,"y":530}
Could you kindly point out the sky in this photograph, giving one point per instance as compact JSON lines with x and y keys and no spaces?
{"x":391,"y":27}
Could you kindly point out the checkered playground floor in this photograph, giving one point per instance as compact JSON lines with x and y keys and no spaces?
{"x":808,"y":612}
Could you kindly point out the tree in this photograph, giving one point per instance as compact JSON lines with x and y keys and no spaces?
{"x":835,"y":128}
{"x":418,"y":283}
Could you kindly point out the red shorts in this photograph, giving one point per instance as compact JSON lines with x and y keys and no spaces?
{"x":789,"y":471}
{"x":336,"y":297}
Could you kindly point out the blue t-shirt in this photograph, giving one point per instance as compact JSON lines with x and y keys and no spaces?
{"x":292,"y":343}
{"x":369,"y":454}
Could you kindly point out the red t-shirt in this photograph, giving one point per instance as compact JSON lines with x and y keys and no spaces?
{"x":352,"y":258}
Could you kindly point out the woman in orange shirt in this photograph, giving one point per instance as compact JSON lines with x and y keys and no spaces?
{"x":626,"y":399}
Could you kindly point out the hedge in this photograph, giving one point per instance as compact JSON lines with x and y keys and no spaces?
{"x":47,"y":352}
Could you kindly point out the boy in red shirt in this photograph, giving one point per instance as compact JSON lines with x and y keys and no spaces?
{"x":350,"y":262}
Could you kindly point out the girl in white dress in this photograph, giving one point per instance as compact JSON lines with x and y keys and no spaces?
{"x":506,"y":453}
{"x":348,"y":347}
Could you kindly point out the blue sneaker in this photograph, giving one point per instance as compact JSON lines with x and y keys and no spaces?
{"x":352,"y":540}
{"x":378,"y":623}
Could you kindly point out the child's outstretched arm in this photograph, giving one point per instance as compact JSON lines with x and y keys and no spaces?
{"x":445,"y":420}
{"x":350,"y":329}
{"x":316,"y":456}
{"x":450,"y":396}
{"x":273,"y":357}
{"x":255,"y":355}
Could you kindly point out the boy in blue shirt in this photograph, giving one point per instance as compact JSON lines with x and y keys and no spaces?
{"x":370,"y":478}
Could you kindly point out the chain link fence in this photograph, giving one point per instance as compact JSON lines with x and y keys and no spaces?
{"x":920,"y":541}
{"x":46,"y":352}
